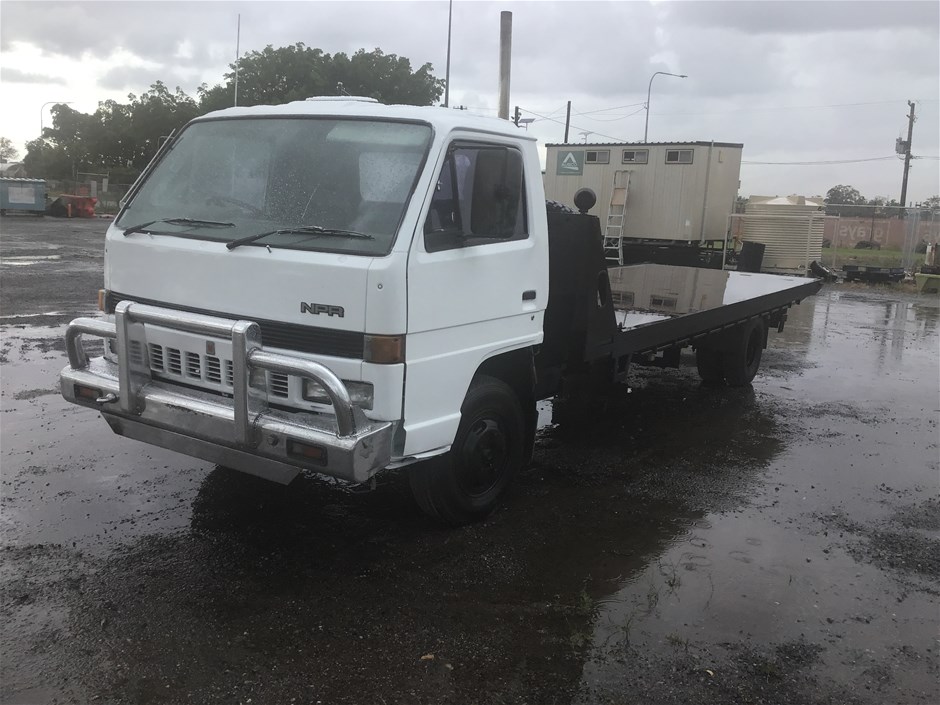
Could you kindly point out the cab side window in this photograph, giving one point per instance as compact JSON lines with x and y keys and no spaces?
{"x":479,"y":198}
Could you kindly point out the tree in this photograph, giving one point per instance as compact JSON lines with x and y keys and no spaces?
{"x":8,"y":153}
{"x":273,"y":76}
{"x":932,"y":203}
{"x":117,"y":136}
{"x":844,"y":196}
{"x":124,"y":136}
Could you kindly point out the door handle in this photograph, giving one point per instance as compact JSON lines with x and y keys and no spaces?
{"x":528,"y":295}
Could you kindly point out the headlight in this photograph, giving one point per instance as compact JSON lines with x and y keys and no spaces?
{"x":361,"y":393}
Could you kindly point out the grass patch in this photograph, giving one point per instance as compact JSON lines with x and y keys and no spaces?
{"x":866,"y":258}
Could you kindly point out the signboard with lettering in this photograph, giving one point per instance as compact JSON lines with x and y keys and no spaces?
{"x":570,"y":162}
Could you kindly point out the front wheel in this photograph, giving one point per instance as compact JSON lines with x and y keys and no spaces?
{"x":465,"y":484}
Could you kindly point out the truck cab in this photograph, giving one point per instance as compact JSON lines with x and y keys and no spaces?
{"x":333,"y":285}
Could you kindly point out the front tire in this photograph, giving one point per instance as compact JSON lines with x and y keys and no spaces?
{"x":466,"y":483}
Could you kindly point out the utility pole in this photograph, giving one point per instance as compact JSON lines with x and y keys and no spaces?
{"x":567,"y":122}
{"x":450,"y":16}
{"x":516,"y":115}
{"x":907,"y":158}
{"x":238,"y":38}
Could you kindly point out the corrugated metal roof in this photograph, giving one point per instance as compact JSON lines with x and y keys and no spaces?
{"x":645,"y":144}
{"x":22,"y":180}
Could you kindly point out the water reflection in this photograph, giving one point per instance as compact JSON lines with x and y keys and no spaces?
{"x":679,"y":290}
{"x":511,"y":605}
{"x":898,"y":326}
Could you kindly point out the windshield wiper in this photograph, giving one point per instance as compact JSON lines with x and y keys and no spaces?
{"x":299,"y":230}
{"x":177,"y":221}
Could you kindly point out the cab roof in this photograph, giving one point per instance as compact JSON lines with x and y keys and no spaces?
{"x":443,"y":120}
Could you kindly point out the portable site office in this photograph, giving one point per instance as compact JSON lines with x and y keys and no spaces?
{"x":681,"y":191}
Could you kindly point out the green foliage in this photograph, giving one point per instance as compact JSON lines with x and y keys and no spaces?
{"x":274,"y":76}
{"x":115,"y":136}
{"x":8,"y":153}
{"x":125,"y":136}
{"x":844,"y":195}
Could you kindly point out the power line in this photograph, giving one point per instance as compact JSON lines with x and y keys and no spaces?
{"x":823,"y":163}
{"x":617,"y":118}
{"x":790,"y":107}
{"x":576,"y":127}
{"x":616,"y":107}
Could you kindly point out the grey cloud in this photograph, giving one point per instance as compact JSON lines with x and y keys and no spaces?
{"x":805,"y":17}
{"x":746,"y":61}
{"x":11,"y":75}
{"x":137,"y":79}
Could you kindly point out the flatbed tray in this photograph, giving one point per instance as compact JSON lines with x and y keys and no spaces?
{"x":658,"y":306}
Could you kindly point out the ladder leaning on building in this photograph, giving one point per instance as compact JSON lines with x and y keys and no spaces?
{"x":616,"y":214}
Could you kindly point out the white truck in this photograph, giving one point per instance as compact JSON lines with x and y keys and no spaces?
{"x":342,"y":286}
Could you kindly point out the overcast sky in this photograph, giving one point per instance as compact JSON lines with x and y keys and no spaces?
{"x":793,"y":81}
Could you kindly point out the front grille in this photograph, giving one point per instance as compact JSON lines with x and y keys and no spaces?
{"x":189,"y":366}
{"x":193,"y":365}
{"x":174,"y":363}
{"x":289,"y":336}
{"x":213,"y":369}
{"x":156,"y":357}
{"x":277,"y":384}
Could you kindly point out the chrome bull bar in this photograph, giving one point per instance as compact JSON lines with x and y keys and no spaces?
{"x":357,"y":446}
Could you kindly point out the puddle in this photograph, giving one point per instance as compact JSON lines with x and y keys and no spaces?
{"x":696,"y":544}
{"x":26,"y":261}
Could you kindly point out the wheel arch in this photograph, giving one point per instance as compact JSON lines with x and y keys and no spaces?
{"x":515,"y":368}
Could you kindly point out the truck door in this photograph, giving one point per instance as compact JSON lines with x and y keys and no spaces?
{"x":473,"y":282}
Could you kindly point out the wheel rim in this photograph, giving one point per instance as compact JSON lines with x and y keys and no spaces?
{"x":484,"y":457}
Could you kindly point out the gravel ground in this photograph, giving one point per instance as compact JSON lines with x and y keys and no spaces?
{"x":774,"y":545}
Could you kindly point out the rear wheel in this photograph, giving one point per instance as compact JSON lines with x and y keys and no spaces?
{"x":465,"y":484}
{"x":709,"y":364}
{"x":740,"y":364}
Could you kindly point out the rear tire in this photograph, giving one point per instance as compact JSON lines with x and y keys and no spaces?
{"x":709,"y":364}
{"x":740,"y":364}
{"x":466,"y":483}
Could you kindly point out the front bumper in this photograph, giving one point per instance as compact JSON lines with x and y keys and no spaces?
{"x":240,"y":431}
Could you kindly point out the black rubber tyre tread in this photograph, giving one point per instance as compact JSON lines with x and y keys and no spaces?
{"x":434,"y":482}
{"x":710,"y":366}
{"x":739,"y":369}
{"x":558,"y":207}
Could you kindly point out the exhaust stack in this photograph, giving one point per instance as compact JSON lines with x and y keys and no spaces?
{"x":505,"y":59}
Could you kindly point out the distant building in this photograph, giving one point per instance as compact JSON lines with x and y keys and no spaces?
{"x":659,"y":190}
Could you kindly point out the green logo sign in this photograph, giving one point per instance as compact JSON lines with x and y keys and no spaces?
{"x":570,"y":163}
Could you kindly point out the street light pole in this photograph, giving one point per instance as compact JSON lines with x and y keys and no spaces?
{"x":646,"y":129}
{"x":43,"y":109}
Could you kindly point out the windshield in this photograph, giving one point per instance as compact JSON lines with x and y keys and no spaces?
{"x":349,"y":179}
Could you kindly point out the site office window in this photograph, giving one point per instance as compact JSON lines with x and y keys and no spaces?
{"x":597,"y":157}
{"x":678,"y":156}
{"x":636,"y":156}
{"x":479,"y":198}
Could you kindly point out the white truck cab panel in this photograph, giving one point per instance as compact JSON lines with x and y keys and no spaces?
{"x":475,"y":295}
{"x":383,"y":253}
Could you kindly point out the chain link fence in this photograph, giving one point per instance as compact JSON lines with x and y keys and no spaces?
{"x":878,"y":236}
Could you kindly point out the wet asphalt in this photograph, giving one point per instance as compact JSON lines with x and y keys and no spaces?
{"x":776,"y":544}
